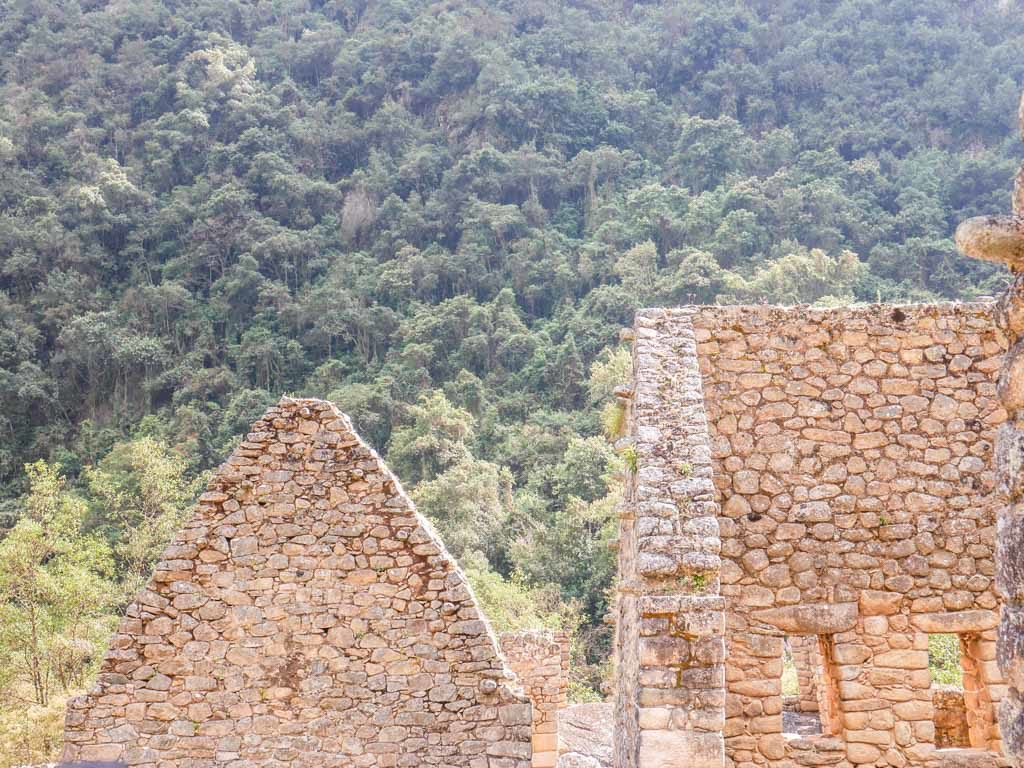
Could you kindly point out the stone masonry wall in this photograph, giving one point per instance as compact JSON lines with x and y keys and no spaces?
{"x":1000,"y":239}
{"x":540,"y":660}
{"x":306,"y":615}
{"x":669,"y":646}
{"x":852,"y":453}
{"x":851,"y":456}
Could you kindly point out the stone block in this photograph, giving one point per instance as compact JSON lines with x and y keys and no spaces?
{"x":955,"y":622}
{"x":670,"y":749}
{"x":810,"y":619}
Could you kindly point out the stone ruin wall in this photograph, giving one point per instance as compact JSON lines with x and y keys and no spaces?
{"x":853,"y":462}
{"x":850,"y":451}
{"x":540,"y":661}
{"x":669,"y":646}
{"x":1000,"y":239}
{"x":306,"y":615}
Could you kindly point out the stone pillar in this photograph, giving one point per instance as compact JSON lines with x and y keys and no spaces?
{"x":1001,"y":239}
{"x":670,"y":647}
{"x":540,"y":660}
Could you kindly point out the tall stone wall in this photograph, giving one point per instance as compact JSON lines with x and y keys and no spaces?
{"x":670,"y":650}
{"x":540,"y":661}
{"x":850,"y":452}
{"x":306,"y":615}
{"x":1001,"y":239}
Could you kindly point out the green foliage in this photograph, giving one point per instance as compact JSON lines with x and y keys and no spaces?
{"x":434,"y":440}
{"x":630,"y":457}
{"x":511,"y":604}
{"x":613,"y":367}
{"x":470,"y":503}
{"x":944,"y":660}
{"x":613,"y":421}
{"x":54,"y":593}
{"x":32,"y":734}
{"x":803,"y":277}
{"x":142,"y":490}
{"x":790,"y":678}
{"x":443,"y":231}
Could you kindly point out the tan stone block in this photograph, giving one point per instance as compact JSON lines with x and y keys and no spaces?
{"x":545,"y":742}
{"x":869,"y":736}
{"x":862,"y":754}
{"x":914,"y":710}
{"x":654,"y":718}
{"x":875,"y":602}
{"x":669,"y":749}
{"x":901,"y":659}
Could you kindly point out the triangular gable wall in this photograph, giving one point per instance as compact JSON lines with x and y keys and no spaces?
{"x":306,"y":615}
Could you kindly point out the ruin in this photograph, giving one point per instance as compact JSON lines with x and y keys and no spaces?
{"x":540,"y":661}
{"x":812,"y":473}
{"x":305,"y":615}
{"x":1001,"y":239}
{"x":817,"y":479}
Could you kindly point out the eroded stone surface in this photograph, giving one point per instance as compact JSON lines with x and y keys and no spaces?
{"x":993,"y":238}
{"x":1001,"y":239}
{"x":585,"y":736}
{"x":306,"y":615}
{"x":850,"y":453}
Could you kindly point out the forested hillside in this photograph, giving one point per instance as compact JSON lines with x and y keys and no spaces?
{"x":438,"y":215}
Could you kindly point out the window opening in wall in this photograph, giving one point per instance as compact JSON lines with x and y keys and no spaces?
{"x":945,"y":667}
{"x":801,"y":670}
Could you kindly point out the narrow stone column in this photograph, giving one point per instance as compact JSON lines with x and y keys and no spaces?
{"x":540,"y":660}
{"x":670,"y":646}
{"x":807,"y":661}
{"x":1001,"y":239}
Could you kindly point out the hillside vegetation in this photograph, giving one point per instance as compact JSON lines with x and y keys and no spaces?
{"x":438,"y":215}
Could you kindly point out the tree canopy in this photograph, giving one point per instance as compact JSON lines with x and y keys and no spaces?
{"x":439,"y":216}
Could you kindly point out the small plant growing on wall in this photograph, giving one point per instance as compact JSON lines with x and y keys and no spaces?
{"x":883,"y":520}
{"x":699,"y":581}
{"x":613,"y":421}
{"x":686,"y":469}
{"x":629,"y":456}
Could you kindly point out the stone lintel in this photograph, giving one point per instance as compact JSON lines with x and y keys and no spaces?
{"x":993,"y":238}
{"x":956,"y":622}
{"x":810,"y":619}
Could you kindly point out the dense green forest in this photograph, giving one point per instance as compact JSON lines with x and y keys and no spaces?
{"x":438,"y":215}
